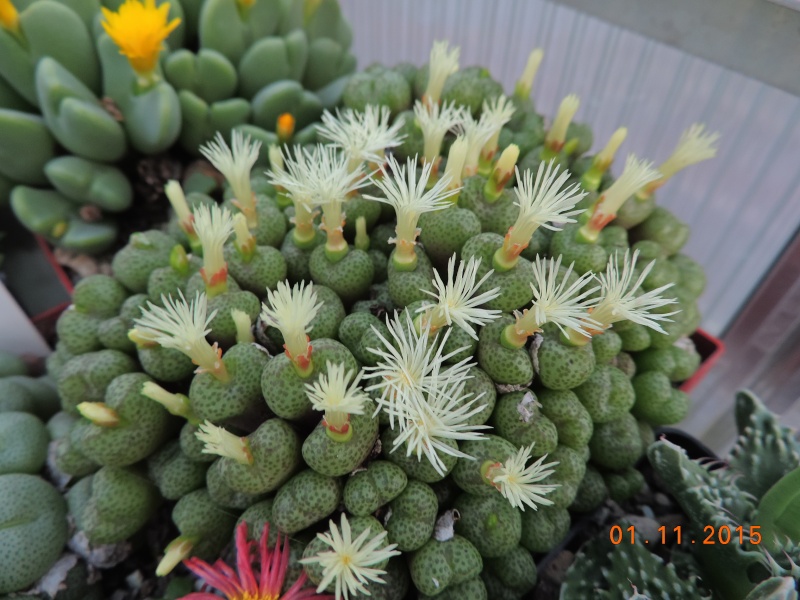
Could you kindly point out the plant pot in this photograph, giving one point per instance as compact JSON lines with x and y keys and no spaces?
{"x":710,"y":350}
{"x":39,"y":286}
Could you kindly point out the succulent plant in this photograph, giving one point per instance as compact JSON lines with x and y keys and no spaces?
{"x":95,"y":108}
{"x":359,"y":347}
{"x":758,"y":505}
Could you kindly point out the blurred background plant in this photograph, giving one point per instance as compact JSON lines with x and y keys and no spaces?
{"x":96,"y":116}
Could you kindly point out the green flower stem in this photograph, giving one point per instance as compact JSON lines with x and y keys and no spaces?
{"x":590,"y":180}
{"x":547,"y":154}
{"x":485,"y":164}
{"x":362,"y":237}
{"x":512,"y":339}
{"x":571,"y":146}
{"x":403,"y":261}
{"x":336,"y":247}
{"x":587,"y":233}
{"x":179,"y":260}
{"x":283,"y":199}
{"x":504,"y":260}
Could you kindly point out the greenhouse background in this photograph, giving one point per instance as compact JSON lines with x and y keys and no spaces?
{"x":743,"y":207}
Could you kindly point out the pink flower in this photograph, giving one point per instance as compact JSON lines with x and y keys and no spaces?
{"x":246,"y":583}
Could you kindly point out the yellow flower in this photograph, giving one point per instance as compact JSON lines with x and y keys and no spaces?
{"x":9,"y":18}
{"x":139,"y":29}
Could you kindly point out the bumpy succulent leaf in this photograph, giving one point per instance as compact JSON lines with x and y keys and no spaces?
{"x":765,"y":450}
{"x":606,"y":571}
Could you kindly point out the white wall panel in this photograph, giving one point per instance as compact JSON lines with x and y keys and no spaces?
{"x":743,"y":207}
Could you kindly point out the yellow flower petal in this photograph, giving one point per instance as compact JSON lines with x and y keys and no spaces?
{"x":139,"y":29}
{"x":9,"y":18}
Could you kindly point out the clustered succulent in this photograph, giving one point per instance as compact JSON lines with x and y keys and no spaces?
{"x":754,"y":493}
{"x":99,"y":104}
{"x":468,"y":330}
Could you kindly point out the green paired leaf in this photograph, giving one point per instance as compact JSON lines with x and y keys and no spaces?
{"x":87,"y":182}
{"x":90,"y":238}
{"x":226,"y":27}
{"x":327,"y":61}
{"x":323,"y":19}
{"x":151,"y":117}
{"x":208,"y":74}
{"x":10,"y":98}
{"x":50,"y":29}
{"x":25,"y":147}
{"x":75,"y":116}
{"x":286,"y":58}
{"x":45,"y":212}
{"x":87,"y":10}
{"x":331,"y":94}
{"x":285,"y":97}
{"x":201,"y":121}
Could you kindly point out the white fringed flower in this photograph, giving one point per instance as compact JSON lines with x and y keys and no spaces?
{"x":291,"y":172}
{"x":362,"y":136}
{"x":409,"y":197}
{"x":476,"y":134}
{"x":213,"y":226}
{"x":443,"y":63}
{"x":336,"y":395}
{"x":636,"y":174}
{"x":521,"y":484}
{"x":235,"y":165}
{"x":437,"y":414}
{"x":435,"y":121}
{"x":696,"y":145}
{"x":330,"y":178}
{"x":620,"y":299}
{"x":291,"y":310}
{"x":495,"y":113}
{"x":458,"y":300}
{"x":409,"y":363}
{"x":350,"y":563}
{"x":183,"y":326}
{"x":543,"y":202}
{"x":556,"y":301}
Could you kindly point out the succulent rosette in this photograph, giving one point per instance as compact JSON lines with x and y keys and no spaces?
{"x":101,"y":106}
{"x":414,"y":343}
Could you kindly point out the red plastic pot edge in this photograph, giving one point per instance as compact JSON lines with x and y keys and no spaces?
{"x":57,"y":268}
{"x":710,"y":349}
{"x":45,"y":322}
